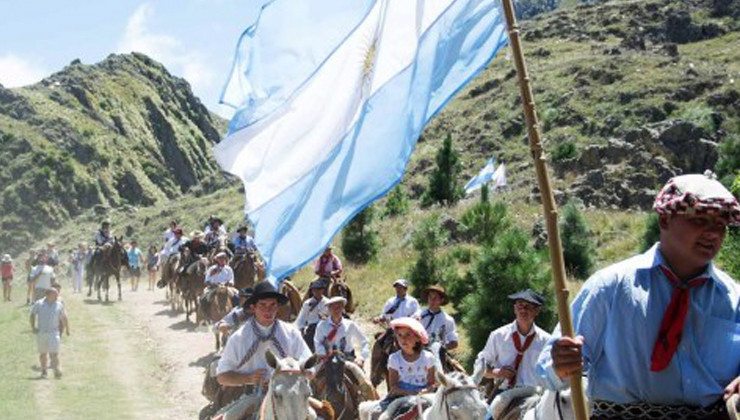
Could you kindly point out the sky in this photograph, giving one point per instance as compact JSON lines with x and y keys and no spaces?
{"x":194,"y":39}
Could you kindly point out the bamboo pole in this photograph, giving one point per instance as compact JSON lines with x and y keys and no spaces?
{"x":548,"y":201}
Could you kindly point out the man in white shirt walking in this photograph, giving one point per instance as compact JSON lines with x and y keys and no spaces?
{"x":48,"y":321}
{"x":42,"y":277}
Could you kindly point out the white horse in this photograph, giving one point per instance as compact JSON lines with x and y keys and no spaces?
{"x":286,"y":398}
{"x":536,"y":404}
{"x":457,"y":398}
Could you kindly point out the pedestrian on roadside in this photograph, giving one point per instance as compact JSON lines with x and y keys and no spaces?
{"x":152,"y":265}
{"x":78,"y":267}
{"x":42,"y":276}
{"x":6,"y":272}
{"x":48,"y":321}
{"x":134,"y":265}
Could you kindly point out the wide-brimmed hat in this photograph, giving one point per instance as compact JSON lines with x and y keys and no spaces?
{"x":242,"y":228}
{"x":697,"y":194}
{"x":528,"y":295}
{"x":436,"y":288}
{"x":105,"y":222}
{"x":401,"y":283}
{"x":215,"y":219}
{"x":221,"y":255}
{"x":320,"y":283}
{"x":7,"y":259}
{"x":336,"y":299}
{"x":265,"y":290}
{"x":414,"y":326}
{"x":196,"y":234}
{"x":51,"y":290}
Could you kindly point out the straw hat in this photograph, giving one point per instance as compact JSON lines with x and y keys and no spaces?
{"x":436,"y":288}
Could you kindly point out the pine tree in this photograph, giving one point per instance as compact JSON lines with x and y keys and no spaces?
{"x":428,"y":269}
{"x":359,"y":241}
{"x":443,"y":187}
{"x":482,"y":222}
{"x":509,"y":266}
{"x":578,"y":243}
{"x":397,"y":202}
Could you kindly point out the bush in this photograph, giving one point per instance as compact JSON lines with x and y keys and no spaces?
{"x":397,"y":202}
{"x":728,"y":165}
{"x":727,"y":258}
{"x":564,"y":150}
{"x":651,"y":234}
{"x":443,"y":186}
{"x":527,"y":9}
{"x":482,"y":222}
{"x":428,"y":268}
{"x":360,"y":242}
{"x":507,"y":267}
{"x":578,"y":244}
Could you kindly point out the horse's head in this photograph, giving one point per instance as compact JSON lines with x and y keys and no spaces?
{"x":222,"y":302}
{"x":289,"y":387}
{"x":457,"y":398}
{"x":334,"y":367}
{"x":558,"y":405}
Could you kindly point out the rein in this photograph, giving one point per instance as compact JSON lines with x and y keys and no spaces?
{"x":263,"y":410}
{"x":558,"y":407}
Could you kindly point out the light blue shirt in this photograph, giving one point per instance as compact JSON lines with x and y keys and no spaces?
{"x":134,"y":256}
{"x":618,"y":312}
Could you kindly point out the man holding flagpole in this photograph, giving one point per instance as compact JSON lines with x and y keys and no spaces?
{"x":659,"y":333}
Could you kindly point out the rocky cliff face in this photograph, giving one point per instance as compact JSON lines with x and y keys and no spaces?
{"x":120,"y":132}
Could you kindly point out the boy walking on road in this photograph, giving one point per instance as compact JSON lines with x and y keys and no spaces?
{"x":48,"y":321}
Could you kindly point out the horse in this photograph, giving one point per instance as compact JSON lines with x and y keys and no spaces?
{"x":288,"y":313}
{"x":336,"y":382}
{"x":339,"y":287}
{"x":385,"y":344}
{"x":530,"y":403}
{"x":169,"y":279}
{"x":457,"y":398}
{"x":222,"y":301}
{"x":248,"y":270}
{"x":288,"y":395}
{"x":190,"y":285}
{"x":112,"y":256}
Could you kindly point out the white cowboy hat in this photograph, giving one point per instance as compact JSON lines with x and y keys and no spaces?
{"x":196,"y":234}
{"x":221,"y":255}
{"x":336,"y":299}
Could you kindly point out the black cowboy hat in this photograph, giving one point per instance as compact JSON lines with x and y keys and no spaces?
{"x":215,"y":219}
{"x":265,"y":290}
{"x":242,"y":228}
{"x":436,"y":288}
{"x":319,"y":283}
{"x":528,"y":295}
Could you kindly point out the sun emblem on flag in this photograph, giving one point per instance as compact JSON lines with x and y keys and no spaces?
{"x":368,"y":63}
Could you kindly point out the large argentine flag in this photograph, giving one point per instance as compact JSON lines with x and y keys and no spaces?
{"x":331,"y":96}
{"x":489,"y":173}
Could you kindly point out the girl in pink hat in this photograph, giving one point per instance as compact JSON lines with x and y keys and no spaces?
{"x":411,"y":369}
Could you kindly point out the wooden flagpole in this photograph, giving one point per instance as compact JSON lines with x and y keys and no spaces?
{"x":548,"y":201}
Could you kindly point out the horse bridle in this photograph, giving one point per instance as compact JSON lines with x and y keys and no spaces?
{"x":451,"y":390}
{"x":557,"y":406}
{"x":292,"y":372}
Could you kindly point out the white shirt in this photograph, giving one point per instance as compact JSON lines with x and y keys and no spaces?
{"x":172,"y":246}
{"x":500,"y":351}
{"x":241,"y":341}
{"x":409,"y":307}
{"x":167,"y":235}
{"x":308,"y":316}
{"x":221,"y":230}
{"x":43,"y":275}
{"x":48,"y":315}
{"x":412,"y":373}
{"x":235,"y":317}
{"x":346,"y":339}
{"x":223,"y":276}
{"x":440,"y":326}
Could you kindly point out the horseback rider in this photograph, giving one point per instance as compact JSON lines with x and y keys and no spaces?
{"x":328,"y":265}
{"x":214,"y":231}
{"x":198,"y":251}
{"x":219,"y":274}
{"x":170,"y":251}
{"x":239,"y":314}
{"x":670,"y":345}
{"x":243,"y":362}
{"x":339,"y":333}
{"x":439,"y":325}
{"x":400,"y":306}
{"x":510,"y":354}
{"x":102,"y":237}
{"x":242,"y":244}
{"x":313,"y":310}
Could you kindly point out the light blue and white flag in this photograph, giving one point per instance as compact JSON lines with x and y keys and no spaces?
{"x":331,"y":97}
{"x":490,"y":173}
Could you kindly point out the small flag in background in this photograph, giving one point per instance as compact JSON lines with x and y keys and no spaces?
{"x":497,"y":177}
{"x":331,"y":97}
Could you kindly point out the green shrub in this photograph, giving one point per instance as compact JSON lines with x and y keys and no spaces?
{"x":507,"y":267}
{"x":564,"y":150}
{"x":727,"y":258}
{"x":397,"y":202}
{"x":578,"y":243}
{"x":443,"y":183}
{"x":428,"y":268}
{"x":360,"y":242}
{"x":700,"y":115}
{"x":651,"y":233}
{"x":728,"y":165}
{"x":482,"y":222}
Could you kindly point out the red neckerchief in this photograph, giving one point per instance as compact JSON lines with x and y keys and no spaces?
{"x":520,"y":350}
{"x":671,"y":327}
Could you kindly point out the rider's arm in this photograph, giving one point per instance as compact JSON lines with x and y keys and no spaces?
{"x":302,"y":318}
{"x":320,"y":336}
{"x":358,"y":337}
{"x":451,"y":338}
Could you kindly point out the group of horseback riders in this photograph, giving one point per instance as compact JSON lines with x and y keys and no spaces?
{"x":689,"y":369}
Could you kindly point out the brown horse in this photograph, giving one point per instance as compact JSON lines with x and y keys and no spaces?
{"x":385,"y":344}
{"x":169,"y":279}
{"x":289,"y":312}
{"x":190,"y":284}
{"x":339,"y":287}
{"x":248,"y":270}
{"x":336,"y":382}
{"x":112,"y":256}
{"x":221,"y":304}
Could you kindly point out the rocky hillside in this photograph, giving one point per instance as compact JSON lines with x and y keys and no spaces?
{"x":120,"y":132}
{"x":628,"y":94}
